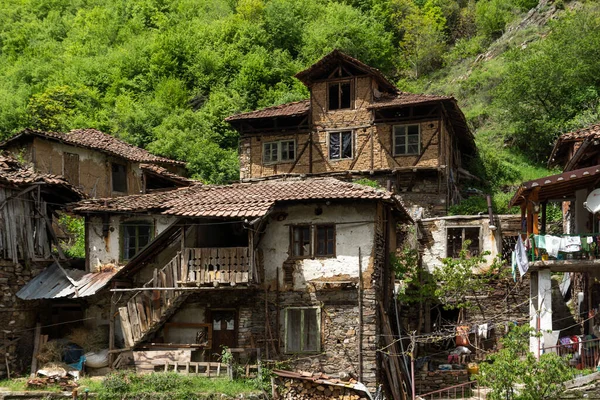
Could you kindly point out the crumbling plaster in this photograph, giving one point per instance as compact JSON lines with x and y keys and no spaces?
{"x":434,"y":230}
{"x":355,"y":228}
{"x":103,"y":249}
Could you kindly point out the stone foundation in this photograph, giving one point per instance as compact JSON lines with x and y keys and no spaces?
{"x":426,"y":382}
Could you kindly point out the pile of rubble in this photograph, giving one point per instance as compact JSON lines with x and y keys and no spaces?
{"x":304,"y":385}
{"x":65,"y":383}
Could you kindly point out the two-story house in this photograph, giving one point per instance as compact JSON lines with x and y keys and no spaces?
{"x":97,"y":163}
{"x":355,"y":124}
{"x":296,"y":267}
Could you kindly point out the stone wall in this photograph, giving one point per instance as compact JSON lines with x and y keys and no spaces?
{"x":17,"y":317}
{"x":426,"y":382}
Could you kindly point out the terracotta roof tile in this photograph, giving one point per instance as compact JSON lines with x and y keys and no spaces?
{"x":164,"y":173}
{"x":238,"y":200}
{"x":405,"y":98}
{"x":283,"y":110}
{"x":12,"y":172}
{"x":97,"y":140}
{"x":561,"y":148}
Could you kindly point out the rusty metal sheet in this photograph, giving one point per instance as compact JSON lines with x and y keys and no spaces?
{"x":53,"y":284}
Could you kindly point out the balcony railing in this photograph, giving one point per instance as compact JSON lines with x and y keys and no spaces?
{"x":223,"y":265}
{"x":581,"y":355}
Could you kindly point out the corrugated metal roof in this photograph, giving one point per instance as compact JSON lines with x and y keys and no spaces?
{"x":53,"y":284}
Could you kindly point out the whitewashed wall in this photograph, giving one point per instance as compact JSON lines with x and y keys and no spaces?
{"x":436,"y":228}
{"x":106,"y":250}
{"x":355,"y":228}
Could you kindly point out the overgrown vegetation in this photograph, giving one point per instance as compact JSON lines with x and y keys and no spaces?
{"x":163,"y":75}
{"x":74,"y":228}
{"x":168,"y":385}
{"x":514,"y":373}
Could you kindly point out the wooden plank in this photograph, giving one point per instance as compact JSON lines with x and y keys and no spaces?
{"x":184,"y":268}
{"x":125,"y":326}
{"x":134,"y":320}
{"x":143,"y":319}
{"x":36,"y":349}
{"x":145,"y":361}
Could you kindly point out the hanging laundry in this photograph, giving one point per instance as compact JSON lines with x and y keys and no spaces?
{"x":482,"y":331}
{"x":540,"y":241}
{"x":513,"y":264}
{"x":522,"y":261}
{"x":570,"y":244}
{"x":590,"y":239}
{"x":552,"y":245}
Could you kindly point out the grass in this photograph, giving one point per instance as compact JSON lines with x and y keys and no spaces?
{"x":157,"y":385}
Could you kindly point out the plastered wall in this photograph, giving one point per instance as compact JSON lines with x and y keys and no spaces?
{"x":106,"y":249}
{"x":434,"y":243}
{"x":355,"y":228}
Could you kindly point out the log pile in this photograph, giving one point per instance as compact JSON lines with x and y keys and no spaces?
{"x":63,"y":382}
{"x":305,"y":390}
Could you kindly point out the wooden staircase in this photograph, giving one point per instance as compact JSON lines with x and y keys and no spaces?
{"x":147,"y":310}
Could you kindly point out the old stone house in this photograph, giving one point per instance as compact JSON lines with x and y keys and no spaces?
{"x":297,"y":268}
{"x":97,"y":163}
{"x":355,"y":124}
{"x":28,"y":244}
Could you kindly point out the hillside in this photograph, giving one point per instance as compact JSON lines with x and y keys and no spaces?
{"x":163,"y":74}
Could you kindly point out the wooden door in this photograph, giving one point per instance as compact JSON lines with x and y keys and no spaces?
{"x":224,"y":326}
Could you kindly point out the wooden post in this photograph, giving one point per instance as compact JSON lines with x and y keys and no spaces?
{"x":360,"y":317}
{"x":36,"y":349}
{"x":543,"y":229}
{"x":111,"y":329}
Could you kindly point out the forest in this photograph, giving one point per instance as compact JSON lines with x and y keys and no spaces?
{"x":163,"y":75}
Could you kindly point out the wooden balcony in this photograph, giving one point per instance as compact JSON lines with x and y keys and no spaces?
{"x":216,"y":266}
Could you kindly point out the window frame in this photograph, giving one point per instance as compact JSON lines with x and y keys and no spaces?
{"x":123,"y":230}
{"x":351,"y":132}
{"x":112,"y":177}
{"x":293,"y":242}
{"x":339,"y":83}
{"x":287,"y":350}
{"x":316,"y":241}
{"x":312,"y":236}
{"x":279,"y":144}
{"x":394,"y":138}
{"x":462,"y":227}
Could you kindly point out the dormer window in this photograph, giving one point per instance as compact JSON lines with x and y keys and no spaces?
{"x":341,"y":95}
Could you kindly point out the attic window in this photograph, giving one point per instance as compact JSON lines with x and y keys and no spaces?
{"x":119,"y":177}
{"x":341,"y":95}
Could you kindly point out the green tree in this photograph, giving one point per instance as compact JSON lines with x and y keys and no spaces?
{"x":515,"y":365}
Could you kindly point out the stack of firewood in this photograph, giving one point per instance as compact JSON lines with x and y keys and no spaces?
{"x":64,"y":382}
{"x":297,"y":390}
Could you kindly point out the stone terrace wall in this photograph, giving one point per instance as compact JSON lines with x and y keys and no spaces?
{"x":426,"y":382}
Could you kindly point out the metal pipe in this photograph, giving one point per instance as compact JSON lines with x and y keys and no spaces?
{"x":491,"y":212}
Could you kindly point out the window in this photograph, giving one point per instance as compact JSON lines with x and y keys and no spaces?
{"x":119,"y":177}
{"x":325,"y":240}
{"x":282,"y":151}
{"x":135,"y":236}
{"x":71,"y":168}
{"x":456,"y":238}
{"x":307,"y":240}
{"x":301,"y":241}
{"x":302,"y":330}
{"x":340,"y":95}
{"x":340,"y":145}
{"x":407,"y":140}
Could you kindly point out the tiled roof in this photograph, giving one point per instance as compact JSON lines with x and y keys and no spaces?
{"x":12,"y":172}
{"x":165,"y":173}
{"x":237,"y":200}
{"x":94,"y":139}
{"x":405,"y":98}
{"x":283,"y":110}
{"x":561,"y":147}
{"x":333,"y":59}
